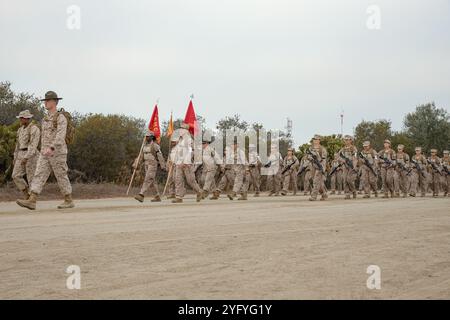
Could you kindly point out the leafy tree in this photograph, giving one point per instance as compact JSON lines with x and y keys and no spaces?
{"x":235,"y":122}
{"x":12,"y":103}
{"x":374,"y":131}
{"x":104,"y":144}
{"x":428,"y":127}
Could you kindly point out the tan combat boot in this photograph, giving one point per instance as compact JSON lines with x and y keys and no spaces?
{"x":30,"y":203}
{"x":354,"y":194}
{"x":324,"y":197}
{"x":205,"y":194}
{"x":139,"y":197}
{"x":177,"y":200}
{"x":68,"y":202}
{"x":157,"y":198}
{"x":199,"y":196}
{"x":26,"y":193}
{"x":172,"y":196}
{"x":215,"y":195}
{"x":231,"y":195}
{"x":256,"y":194}
{"x":243,"y":196}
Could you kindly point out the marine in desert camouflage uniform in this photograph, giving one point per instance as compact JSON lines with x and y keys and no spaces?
{"x":318,"y":169}
{"x":210,"y":162}
{"x":336,"y":178}
{"x":418,"y":179}
{"x":446,"y":173}
{"x":434,"y":167}
{"x":368,"y":176}
{"x":240,"y":167}
{"x":387,"y":163}
{"x":227,"y":177}
{"x":171,"y":167}
{"x":184,"y":166}
{"x":274,"y":167}
{"x":254,"y":169}
{"x":401,"y":178}
{"x":26,"y":152}
{"x":152,"y":157}
{"x":349,"y":168}
{"x":290,"y":175}
{"x":307,"y":185}
{"x":53,"y":156}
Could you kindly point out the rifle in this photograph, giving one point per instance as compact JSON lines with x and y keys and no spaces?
{"x":386,"y":161}
{"x":403,"y":168}
{"x":288,"y":167}
{"x":335,"y":168}
{"x":445,"y":169}
{"x":302,"y":169}
{"x":367,"y":163}
{"x":434,"y":167}
{"x":316,"y":161}
{"x":348,"y":162}
{"x":418,"y":168}
{"x":268,"y":164}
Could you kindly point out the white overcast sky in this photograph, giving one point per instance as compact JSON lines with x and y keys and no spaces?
{"x":264,"y":59}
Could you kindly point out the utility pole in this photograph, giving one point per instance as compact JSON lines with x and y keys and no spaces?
{"x":342,"y":122}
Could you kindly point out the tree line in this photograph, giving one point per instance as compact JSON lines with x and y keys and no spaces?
{"x":105,"y":146}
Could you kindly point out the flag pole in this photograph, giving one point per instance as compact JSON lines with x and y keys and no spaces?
{"x":168,"y":156}
{"x":137,"y":164}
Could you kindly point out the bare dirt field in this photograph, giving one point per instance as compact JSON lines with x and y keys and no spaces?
{"x":263,"y":248}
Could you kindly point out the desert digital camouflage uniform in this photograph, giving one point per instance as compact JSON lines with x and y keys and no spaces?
{"x":290,"y":176}
{"x":210,"y":162}
{"x":239,"y":167}
{"x":418,"y":178}
{"x":436,"y":172}
{"x":446,"y":172}
{"x":254,"y":167}
{"x":274,"y":167}
{"x":349,"y":173}
{"x":336,"y":178}
{"x":54,"y":128}
{"x":387,"y":163}
{"x":26,"y":153}
{"x":368,"y":177}
{"x":401,"y":178}
{"x":152,"y":157}
{"x":318,"y":172}
{"x":184,"y":167}
{"x":360,"y":181}
{"x":307,"y":185}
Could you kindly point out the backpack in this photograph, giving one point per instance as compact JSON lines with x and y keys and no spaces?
{"x":70,"y":132}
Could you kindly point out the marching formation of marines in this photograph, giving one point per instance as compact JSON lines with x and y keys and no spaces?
{"x":235,"y":171}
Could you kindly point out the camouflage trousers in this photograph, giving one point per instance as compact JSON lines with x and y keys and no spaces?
{"x":226,"y":180}
{"x":45,"y":166}
{"x":368,"y":180}
{"x":274,"y":182}
{"x":307,"y":186}
{"x":150,"y":178}
{"x":336,"y":181}
{"x":418,"y":182}
{"x":209,"y":175}
{"x":185,"y":171}
{"x":435,"y":182}
{"x":349,"y":177}
{"x":239,"y":173}
{"x":21,"y":170}
{"x":401,"y":182}
{"x":445,"y":183}
{"x":289,"y":177}
{"x":387,"y":178}
{"x":255,"y":178}
{"x":318,"y":183}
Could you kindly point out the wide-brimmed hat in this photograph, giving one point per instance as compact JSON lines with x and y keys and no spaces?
{"x":51,"y":95}
{"x":25,"y":114}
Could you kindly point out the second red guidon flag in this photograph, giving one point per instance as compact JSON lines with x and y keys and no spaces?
{"x":154,"y":124}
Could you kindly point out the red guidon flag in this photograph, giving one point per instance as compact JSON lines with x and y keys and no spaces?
{"x":154,"y":124}
{"x":191,"y":119}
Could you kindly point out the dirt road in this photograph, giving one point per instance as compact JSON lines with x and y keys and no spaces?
{"x":264,"y":248}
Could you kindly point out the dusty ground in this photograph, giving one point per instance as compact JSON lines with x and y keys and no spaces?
{"x":280,"y":248}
